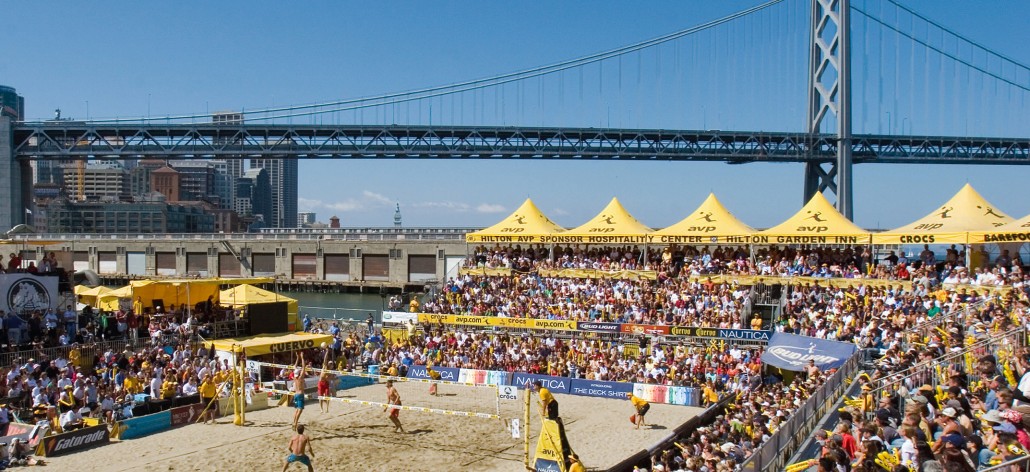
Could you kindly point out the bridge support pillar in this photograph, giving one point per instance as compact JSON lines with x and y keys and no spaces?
{"x":829,"y":95}
{"x":12,"y":179}
{"x":820,"y":179}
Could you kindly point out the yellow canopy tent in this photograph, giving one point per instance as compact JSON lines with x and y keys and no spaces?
{"x":108,"y":301}
{"x":90,"y":295}
{"x":176,"y":292}
{"x":1014,"y":232}
{"x":965,"y":212}
{"x":818,"y":222}
{"x":527,"y":224}
{"x":709,"y":223}
{"x":614,"y":225}
{"x":272,"y":343}
{"x":243,"y":295}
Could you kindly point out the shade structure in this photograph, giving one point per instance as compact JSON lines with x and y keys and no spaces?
{"x":90,"y":295}
{"x":613,"y":225}
{"x":527,"y":224}
{"x":176,"y":292}
{"x":243,"y":295}
{"x":109,"y":300}
{"x":272,"y":343}
{"x":967,"y":211}
{"x":818,"y":222}
{"x":709,"y":223}
{"x":1013,"y":232}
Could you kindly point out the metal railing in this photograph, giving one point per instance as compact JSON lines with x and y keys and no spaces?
{"x":926,"y":372}
{"x":773,"y":454}
{"x":1022,"y":462}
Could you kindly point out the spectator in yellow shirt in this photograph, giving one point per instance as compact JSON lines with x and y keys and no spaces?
{"x":169,"y":388}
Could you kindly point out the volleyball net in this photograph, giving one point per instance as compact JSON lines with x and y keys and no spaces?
{"x":485,"y":395}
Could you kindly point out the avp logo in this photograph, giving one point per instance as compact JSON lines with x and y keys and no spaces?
{"x":813,"y":229}
{"x":701,"y":229}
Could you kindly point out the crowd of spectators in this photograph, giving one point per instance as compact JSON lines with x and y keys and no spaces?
{"x":62,"y":392}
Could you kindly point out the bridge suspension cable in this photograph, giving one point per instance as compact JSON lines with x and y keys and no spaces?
{"x":294,"y":111}
{"x":954,"y":57}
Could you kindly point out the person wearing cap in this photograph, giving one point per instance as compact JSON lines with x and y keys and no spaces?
{"x":641,"y":406}
{"x":948,"y":425}
{"x":574,"y":464}
{"x":548,"y":405}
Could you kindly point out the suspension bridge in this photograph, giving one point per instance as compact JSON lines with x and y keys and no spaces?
{"x":870,"y":81}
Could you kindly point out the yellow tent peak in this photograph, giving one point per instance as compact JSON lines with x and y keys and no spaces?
{"x":711,"y":222}
{"x":526,"y":224}
{"x":817,"y":222}
{"x":966,"y":211}
{"x":613,"y":220}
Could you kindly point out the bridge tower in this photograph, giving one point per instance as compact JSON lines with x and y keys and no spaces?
{"x":829,"y":93}
{"x":13,"y":174}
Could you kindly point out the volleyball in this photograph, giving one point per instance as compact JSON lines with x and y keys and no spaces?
{"x":324,"y":345}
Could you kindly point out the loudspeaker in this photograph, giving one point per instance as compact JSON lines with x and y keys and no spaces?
{"x":267,"y":318}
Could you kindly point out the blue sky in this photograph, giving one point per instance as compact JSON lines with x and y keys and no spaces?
{"x":132,"y":59}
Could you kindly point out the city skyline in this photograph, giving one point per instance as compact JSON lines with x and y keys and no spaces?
{"x":369,"y":58}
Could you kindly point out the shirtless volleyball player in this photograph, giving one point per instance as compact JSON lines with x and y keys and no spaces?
{"x":393,"y":399}
{"x":298,"y":388}
{"x":298,"y":443}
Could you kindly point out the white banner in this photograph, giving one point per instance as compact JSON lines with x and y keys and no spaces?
{"x":24,"y":293}
{"x":399,"y":317}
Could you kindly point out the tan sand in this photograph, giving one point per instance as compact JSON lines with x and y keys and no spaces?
{"x":360,"y":438}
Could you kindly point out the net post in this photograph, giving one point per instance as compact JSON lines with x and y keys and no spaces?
{"x":526,"y":421}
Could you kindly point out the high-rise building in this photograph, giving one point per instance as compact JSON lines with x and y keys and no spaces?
{"x":282,"y":174}
{"x":196,"y":181}
{"x":230,"y":168}
{"x":306,"y":218}
{"x":397,"y":217}
{"x":12,"y":105}
{"x":103,"y":182}
{"x":254,"y":197}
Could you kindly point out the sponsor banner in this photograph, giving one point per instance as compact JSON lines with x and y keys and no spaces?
{"x":483,"y":377}
{"x":185,"y":415}
{"x":686,"y":396}
{"x":554,"y":384}
{"x":450,"y":374}
{"x":77,"y":440}
{"x":549,"y":457}
{"x":793,"y":352}
{"x":399,"y":317}
{"x":499,"y":321}
{"x":560,"y":325}
{"x":23,"y":431}
{"x":143,"y":425}
{"x":653,"y":393}
{"x":644,"y":329}
{"x":598,"y":327}
{"x":744,"y":334}
{"x":720,"y":333}
{"x":24,"y":293}
{"x":597,"y":388}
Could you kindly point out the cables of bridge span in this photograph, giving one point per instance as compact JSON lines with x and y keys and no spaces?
{"x":949,"y":55}
{"x":456,"y":88}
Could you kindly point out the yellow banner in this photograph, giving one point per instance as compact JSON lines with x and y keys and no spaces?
{"x":549,"y":455}
{"x":494,"y":272}
{"x":469,"y":320}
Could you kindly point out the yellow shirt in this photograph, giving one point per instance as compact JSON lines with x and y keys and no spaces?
{"x":637,"y":401}
{"x":132,"y":385}
{"x":208,"y":389}
{"x":168,"y":389}
{"x":577,"y":467}
{"x":73,"y":356}
{"x":545,"y":396}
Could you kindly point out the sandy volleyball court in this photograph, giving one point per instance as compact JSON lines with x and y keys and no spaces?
{"x":360,"y":438}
